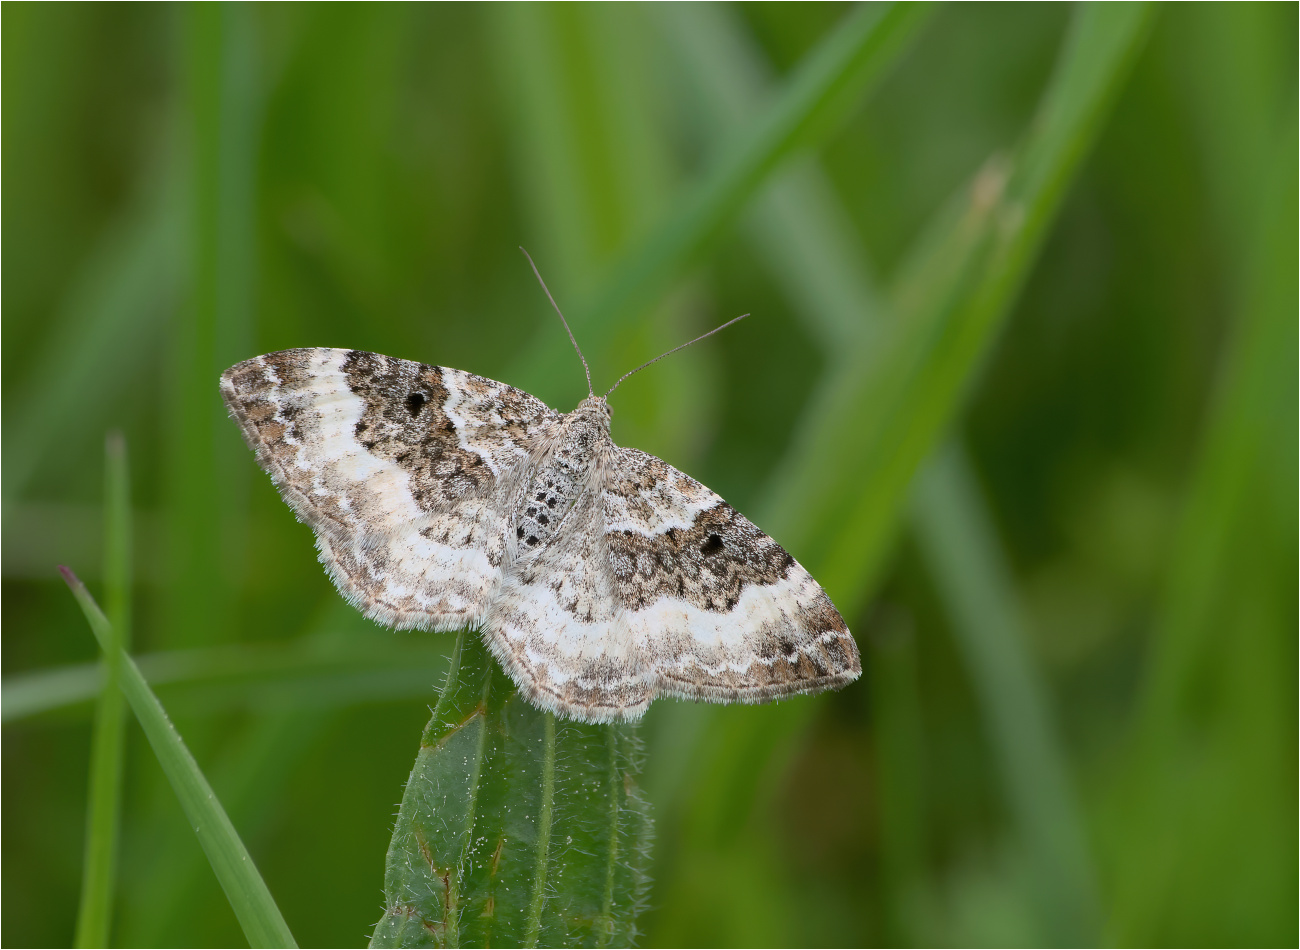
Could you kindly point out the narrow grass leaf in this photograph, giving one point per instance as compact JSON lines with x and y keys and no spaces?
{"x":823,"y":270}
{"x":818,"y":96}
{"x":103,"y":813}
{"x":840,"y":498}
{"x":960,"y":544}
{"x":593,"y":158}
{"x":837,"y":499}
{"x":207,"y":471}
{"x":366,"y":666}
{"x":106,"y":330}
{"x":249,"y":897}
{"x":515,"y":829}
{"x":1203,"y":816}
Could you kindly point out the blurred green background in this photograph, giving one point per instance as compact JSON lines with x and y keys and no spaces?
{"x":1050,"y":481}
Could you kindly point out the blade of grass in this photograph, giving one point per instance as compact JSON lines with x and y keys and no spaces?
{"x":208,"y":474}
{"x":254,"y":771}
{"x":836,"y":502}
{"x":1256,"y":365}
{"x":1202,"y":816}
{"x":585,"y":98}
{"x":815,"y":257}
{"x":797,"y":222}
{"x":249,"y":897}
{"x":103,"y":813}
{"x":840,"y":498}
{"x":1204,"y":812}
{"x":960,"y":544}
{"x":819,"y":95}
{"x":367,"y":666}
{"x":344,"y":660}
{"x":105,"y":330}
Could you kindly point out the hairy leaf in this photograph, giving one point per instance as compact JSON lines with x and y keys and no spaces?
{"x":515,"y":829}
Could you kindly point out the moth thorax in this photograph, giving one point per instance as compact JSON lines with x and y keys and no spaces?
{"x":557,"y":482}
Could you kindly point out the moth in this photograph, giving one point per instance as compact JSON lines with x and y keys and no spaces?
{"x":599,"y":576}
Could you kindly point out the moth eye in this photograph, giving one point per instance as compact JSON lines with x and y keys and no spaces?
{"x":712,"y":546}
{"x":415,"y":402}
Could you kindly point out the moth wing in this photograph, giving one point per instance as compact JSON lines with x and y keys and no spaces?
{"x":715,"y":608}
{"x":399,"y":469}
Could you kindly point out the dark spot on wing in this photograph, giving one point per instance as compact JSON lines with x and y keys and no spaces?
{"x":707,"y":564}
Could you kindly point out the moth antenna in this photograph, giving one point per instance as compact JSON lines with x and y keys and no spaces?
{"x":674,"y":350}
{"x":585,"y":367}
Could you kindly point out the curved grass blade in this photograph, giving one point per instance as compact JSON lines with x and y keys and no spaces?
{"x":515,"y":829}
{"x":838,"y":500}
{"x":821,"y":267}
{"x":829,"y":81}
{"x":314,"y":671}
{"x":249,"y":897}
{"x":94,"y":917}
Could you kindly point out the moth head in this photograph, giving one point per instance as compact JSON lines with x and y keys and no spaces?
{"x":596,"y":406}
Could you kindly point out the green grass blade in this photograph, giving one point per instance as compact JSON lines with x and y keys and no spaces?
{"x":817,"y":97}
{"x":208,"y":473}
{"x":495,"y":843}
{"x":838,"y":499}
{"x":898,"y":735}
{"x":587,"y":97}
{"x":252,"y":903}
{"x":841,"y":498}
{"x":1203,"y":816}
{"x":1206,"y":810}
{"x":94,"y":917}
{"x":368,"y":665}
{"x":818,"y":263}
{"x":797,"y":222}
{"x":960,"y":543}
{"x":105,"y":330}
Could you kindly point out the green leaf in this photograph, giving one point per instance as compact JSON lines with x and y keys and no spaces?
{"x":515,"y":829}
{"x":249,"y":897}
{"x":103,"y":811}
